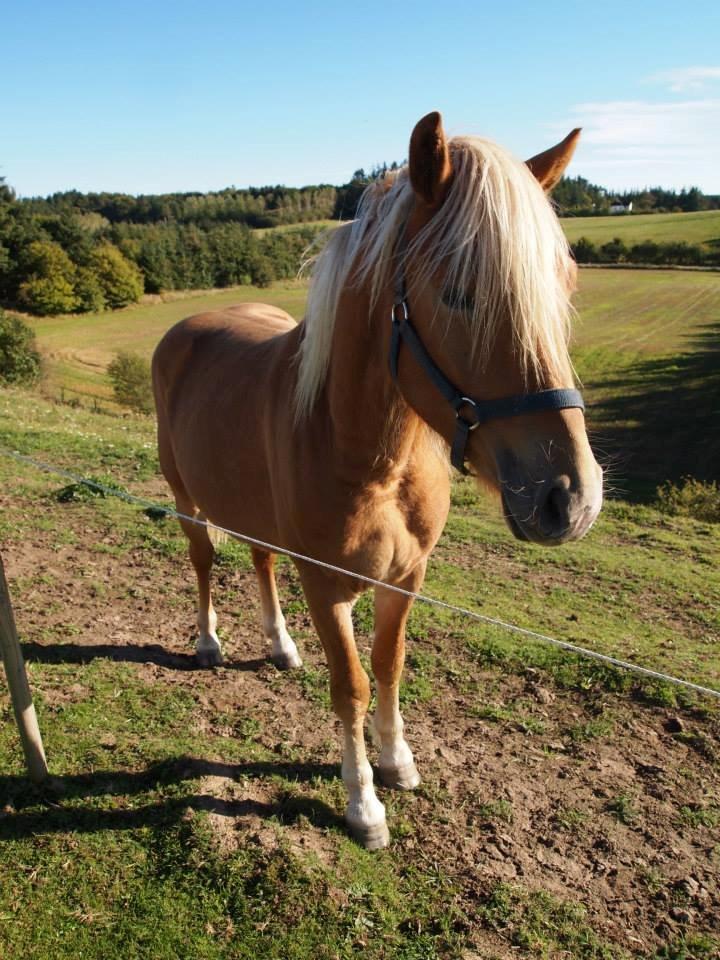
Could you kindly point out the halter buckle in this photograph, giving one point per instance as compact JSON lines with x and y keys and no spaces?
{"x":467,"y":402}
{"x":406,"y":313}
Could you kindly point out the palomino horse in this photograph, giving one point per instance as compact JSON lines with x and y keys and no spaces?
{"x":303,"y":435}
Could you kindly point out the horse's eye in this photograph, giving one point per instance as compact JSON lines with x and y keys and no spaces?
{"x":457,"y":300}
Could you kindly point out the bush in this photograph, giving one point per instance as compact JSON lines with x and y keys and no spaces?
{"x":692,"y":498}
{"x":19,"y":359}
{"x":662,"y":254}
{"x":131,"y":380}
{"x":614,"y":251}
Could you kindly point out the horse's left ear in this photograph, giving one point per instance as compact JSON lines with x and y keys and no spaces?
{"x":430,"y":167}
{"x":550,"y":165}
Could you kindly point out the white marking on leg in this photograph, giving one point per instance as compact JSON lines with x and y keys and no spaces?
{"x":396,"y":763}
{"x":284,"y":653}
{"x":207,"y":648}
{"x":365,"y":814}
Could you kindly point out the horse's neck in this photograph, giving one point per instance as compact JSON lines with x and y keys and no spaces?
{"x":374,"y":431}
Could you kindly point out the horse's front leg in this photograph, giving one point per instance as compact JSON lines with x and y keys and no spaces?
{"x":396,"y":763}
{"x":330,"y":601}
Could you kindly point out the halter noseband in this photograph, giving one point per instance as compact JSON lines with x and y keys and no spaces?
{"x":469,"y":413}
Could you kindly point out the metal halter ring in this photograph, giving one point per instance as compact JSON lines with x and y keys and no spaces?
{"x":406,"y":312}
{"x":466,"y":401}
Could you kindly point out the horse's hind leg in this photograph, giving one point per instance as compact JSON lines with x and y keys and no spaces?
{"x":202,"y":551}
{"x":396,"y":765}
{"x":284,"y":653}
{"x":207,"y":648}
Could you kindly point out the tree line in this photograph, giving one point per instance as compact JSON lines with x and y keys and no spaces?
{"x":74,"y":252}
{"x":63,"y":259}
{"x":255,"y":207}
{"x":578,"y":197}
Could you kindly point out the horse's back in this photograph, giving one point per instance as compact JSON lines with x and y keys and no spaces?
{"x":217,"y":378}
{"x":216,"y":335}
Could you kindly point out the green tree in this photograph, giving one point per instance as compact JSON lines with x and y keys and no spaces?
{"x":89,"y":291}
{"x":19,"y":358}
{"x":132,"y":382}
{"x":50,"y":284}
{"x":120,"y":280}
{"x":261,"y":270}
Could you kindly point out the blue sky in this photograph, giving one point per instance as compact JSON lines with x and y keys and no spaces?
{"x":156,"y":96}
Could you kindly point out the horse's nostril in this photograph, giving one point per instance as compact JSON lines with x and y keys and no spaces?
{"x":554,"y":512}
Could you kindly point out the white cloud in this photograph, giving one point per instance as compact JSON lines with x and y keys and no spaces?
{"x":684,"y":79}
{"x":635,"y":143}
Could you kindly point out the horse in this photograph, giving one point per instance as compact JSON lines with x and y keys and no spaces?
{"x":307,"y":436}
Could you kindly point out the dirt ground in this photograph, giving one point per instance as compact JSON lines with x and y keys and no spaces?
{"x":595,"y":820}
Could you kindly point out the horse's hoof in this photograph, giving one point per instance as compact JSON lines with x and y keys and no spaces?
{"x":209,"y":658}
{"x":400,"y":778}
{"x":374,"y":837}
{"x":287,"y":661}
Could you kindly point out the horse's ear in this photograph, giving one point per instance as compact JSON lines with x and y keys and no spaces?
{"x":430,"y":167}
{"x":550,"y":165}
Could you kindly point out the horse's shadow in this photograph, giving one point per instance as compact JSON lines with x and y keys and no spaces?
{"x":55,"y":806}
{"x":125,"y":653}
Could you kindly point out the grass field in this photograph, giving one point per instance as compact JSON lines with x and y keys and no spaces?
{"x":79,"y":347}
{"x":294,"y":227}
{"x":702,"y":227}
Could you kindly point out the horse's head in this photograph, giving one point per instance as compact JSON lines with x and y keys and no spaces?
{"x":489,"y":278}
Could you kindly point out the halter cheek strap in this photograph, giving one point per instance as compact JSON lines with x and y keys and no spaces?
{"x":469,"y":413}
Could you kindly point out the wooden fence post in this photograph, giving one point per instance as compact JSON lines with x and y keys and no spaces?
{"x":19,"y":687}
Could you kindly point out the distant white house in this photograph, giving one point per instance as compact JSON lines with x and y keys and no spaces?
{"x":619,"y":207}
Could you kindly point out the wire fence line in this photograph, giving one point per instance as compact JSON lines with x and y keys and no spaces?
{"x":422,"y":598}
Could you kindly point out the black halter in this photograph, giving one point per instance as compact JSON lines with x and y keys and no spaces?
{"x":478,"y":411}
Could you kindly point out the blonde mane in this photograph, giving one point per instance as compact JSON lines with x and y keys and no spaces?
{"x":497,"y":240}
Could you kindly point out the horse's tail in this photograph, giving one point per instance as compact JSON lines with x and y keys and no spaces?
{"x":217,"y":536}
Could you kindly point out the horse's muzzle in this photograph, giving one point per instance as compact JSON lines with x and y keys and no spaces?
{"x":551,"y":512}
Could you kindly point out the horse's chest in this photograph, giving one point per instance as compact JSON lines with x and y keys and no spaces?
{"x":398,"y":531}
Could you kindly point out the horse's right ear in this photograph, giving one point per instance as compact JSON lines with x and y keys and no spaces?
{"x":430,"y":167}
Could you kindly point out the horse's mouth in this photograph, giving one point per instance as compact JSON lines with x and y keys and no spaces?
{"x":512,"y":522}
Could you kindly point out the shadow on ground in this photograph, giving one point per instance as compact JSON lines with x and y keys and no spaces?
{"x":53,"y":807}
{"x":658,"y":419}
{"x":126,"y":653}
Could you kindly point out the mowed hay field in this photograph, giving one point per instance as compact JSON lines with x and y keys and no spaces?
{"x":566,"y":810}
{"x":702,"y":227}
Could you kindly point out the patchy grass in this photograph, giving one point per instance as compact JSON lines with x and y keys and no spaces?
{"x":623,"y":808}
{"x":543,"y":926}
{"x":700,"y":815}
{"x":691,"y":498}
